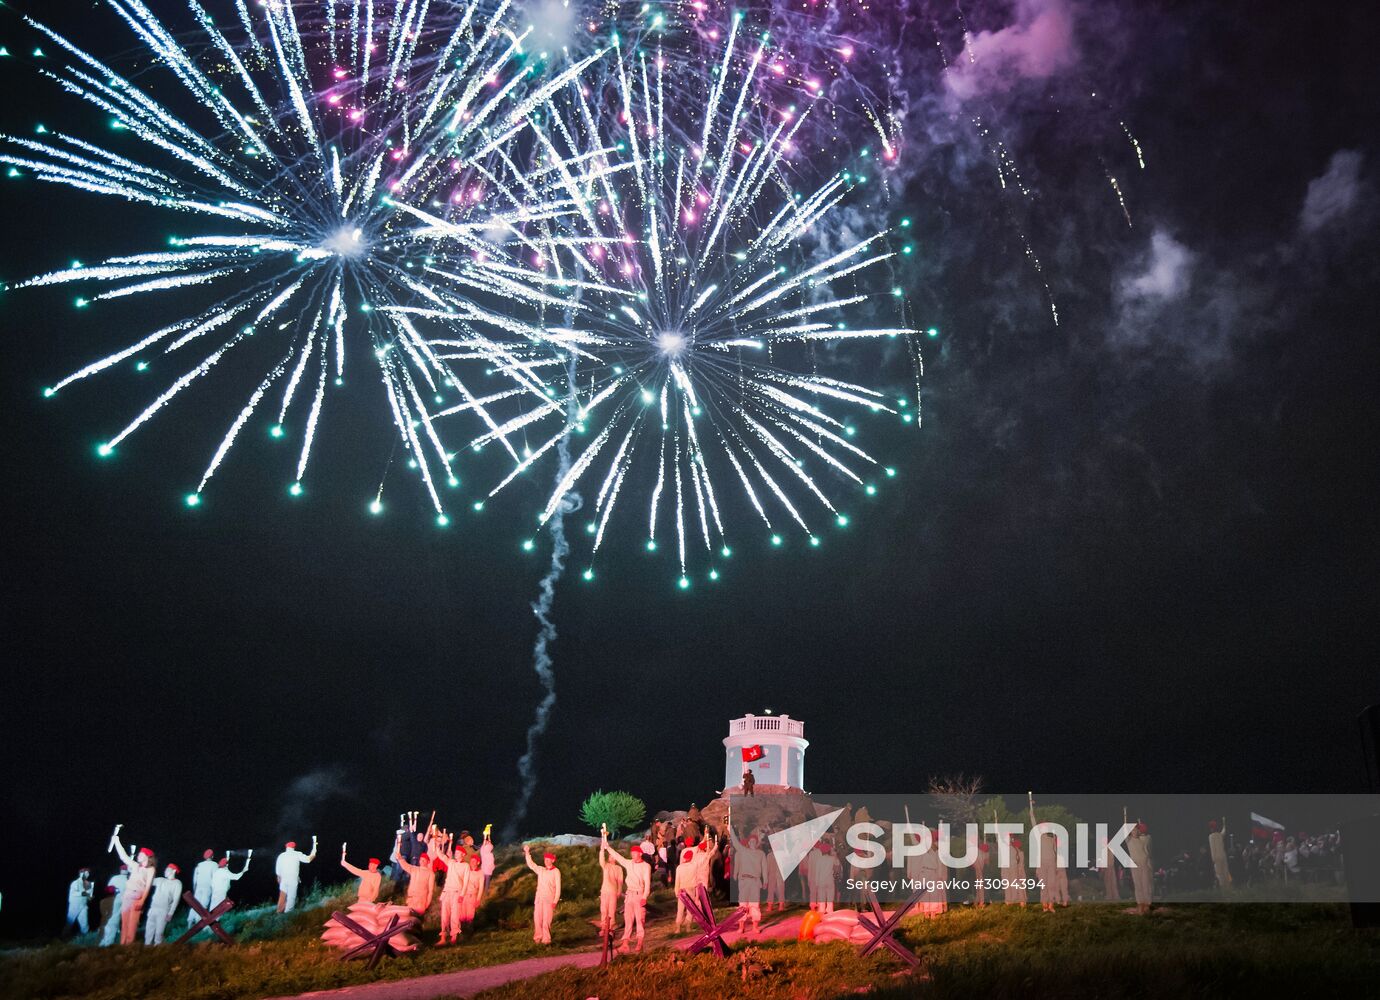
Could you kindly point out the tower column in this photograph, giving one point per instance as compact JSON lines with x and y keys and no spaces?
{"x":782,"y":741}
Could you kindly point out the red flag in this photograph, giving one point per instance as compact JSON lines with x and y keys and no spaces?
{"x":752,"y":753}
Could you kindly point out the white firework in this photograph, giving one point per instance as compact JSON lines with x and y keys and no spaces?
{"x":307,"y":125}
{"x":692,"y":355}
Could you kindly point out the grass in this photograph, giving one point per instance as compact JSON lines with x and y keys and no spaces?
{"x":1094,"y":950}
{"x":279,"y":954}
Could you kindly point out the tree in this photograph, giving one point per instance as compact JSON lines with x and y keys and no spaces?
{"x":616,"y":810}
{"x":956,"y":798}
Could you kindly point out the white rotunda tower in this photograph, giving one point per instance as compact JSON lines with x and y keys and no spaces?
{"x":783,"y":743}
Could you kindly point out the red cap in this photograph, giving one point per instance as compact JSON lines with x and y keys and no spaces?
{"x":223,"y":861}
{"x":825,"y":847}
{"x":373,"y":861}
{"x":175,"y":867}
{"x":146,"y":852}
{"x":1015,"y":841}
{"x":636,"y":849}
{"x":752,"y":840}
{"x":983,"y":847}
{"x":425,"y":857}
{"x":1212,"y":824}
{"x":290,"y":844}
{"x":548,"y":856}
{"x":208,"y":854}
{"x":476,"y":860}
{"x":689,"y":841}
{"x":1141,"y":826}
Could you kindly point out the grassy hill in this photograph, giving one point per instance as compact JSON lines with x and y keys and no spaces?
{"x":1094,"y":950}
{"x":279,"y":954}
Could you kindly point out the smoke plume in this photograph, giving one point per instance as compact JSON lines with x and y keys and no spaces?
{"x":541,"y":650}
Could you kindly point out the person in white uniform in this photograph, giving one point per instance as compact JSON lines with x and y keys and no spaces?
{"x":141,"y":872}
{"x":288,"y":869}
{"x":685,"y":881}
{"x":637,"y":886}
{"x":547,"y":896}
{"x":110,"y":930}
{"x":222,"y":877}
{"x":1217,"y":847}
{"x":1013,"y":873}
{"x":453,"y":894}
{"x":823,"y":871}
{"x":421,"y":880}
{"x":167,"y":893}
{"x":1143,"y":874}
{"x":79,"y":895}
{"x":201,"y":883}
{"x":928,"y":869}
{"x":370,"y":878}
{"x":776,"y":884}
{"x":610,"y":888}
{"x":486,"y":858}
{"x":979,"y":870}
{"x":750,"y":872}
{"x":705,"y":853}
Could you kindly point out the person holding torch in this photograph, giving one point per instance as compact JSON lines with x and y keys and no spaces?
{"x":548,"y":894}
{"x":288,"y":869}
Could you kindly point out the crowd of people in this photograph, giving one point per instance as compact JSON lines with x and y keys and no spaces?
{"x":136,"y":892}
{"x":688,"y":855}
{"x":137,"y":887}
{"x":1267,"y":857}
{"x":424,"y":858}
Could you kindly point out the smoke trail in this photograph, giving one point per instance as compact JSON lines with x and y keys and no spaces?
{"x":306,"y":793}
{"x":546,"y":634}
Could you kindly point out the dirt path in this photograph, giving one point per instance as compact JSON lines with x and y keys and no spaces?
{"x":468,"y":982}
{"x":464,"y":983}
{"x":775,"y":927}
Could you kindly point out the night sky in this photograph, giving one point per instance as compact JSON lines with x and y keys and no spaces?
{"x":1133,"y":551}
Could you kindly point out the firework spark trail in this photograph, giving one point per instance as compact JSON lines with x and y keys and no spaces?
{"x":307,"y":129}
{"x":375,"y":164}
{"x":704,"y":295}
{"x":541,"y":651}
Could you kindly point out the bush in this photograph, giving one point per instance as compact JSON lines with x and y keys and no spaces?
{"x":616,"y":810}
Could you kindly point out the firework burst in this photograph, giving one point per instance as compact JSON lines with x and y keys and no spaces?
{"x":707,"y":298}
{"x":307,"y":125}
